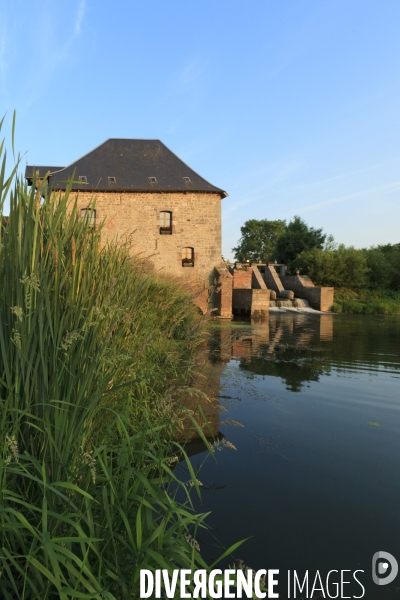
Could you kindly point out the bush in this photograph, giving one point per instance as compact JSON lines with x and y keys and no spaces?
{"x":384,"y":266}
{"x":367,"y":302}
{"x":342,"y":267}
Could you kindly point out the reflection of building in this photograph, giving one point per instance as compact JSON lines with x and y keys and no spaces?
{"x":202,"y":397}
{"x":326,"y":328}
{"x":294,"y":324}
{"x":248,"y":345}
{"x":268,"y":333}
{"x":282,"y":345}
{"x":294,"y":352}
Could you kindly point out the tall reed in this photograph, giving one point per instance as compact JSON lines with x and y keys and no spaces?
{"x":89,"y":352}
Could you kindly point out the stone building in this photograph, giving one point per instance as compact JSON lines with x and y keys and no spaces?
{"x":142,"y":188}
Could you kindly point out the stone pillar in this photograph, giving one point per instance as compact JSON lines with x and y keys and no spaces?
{"x":224,"y":293}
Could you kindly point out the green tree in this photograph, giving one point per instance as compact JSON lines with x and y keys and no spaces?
{"x":297,"y":237}
{"x":258,"y":240}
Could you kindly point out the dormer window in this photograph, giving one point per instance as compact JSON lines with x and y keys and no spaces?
{"x":89,"y":215}
{"x":165,"y":222}
{"x":186,"y":179}
{"x":82,"y":178}
{"x":153,"y":179}
{"x":188,"y":257}
{"x":112,"y":180}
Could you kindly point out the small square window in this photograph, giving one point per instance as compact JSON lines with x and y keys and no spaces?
{"x":186,"y":179}
{"x":153,"y":179}
{"x":112,"y":180}
{"x":82,"y":178}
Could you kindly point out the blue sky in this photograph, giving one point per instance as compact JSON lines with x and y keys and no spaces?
{"x":291,"y":106}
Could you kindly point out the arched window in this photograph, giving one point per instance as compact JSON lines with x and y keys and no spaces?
{"x":165,"y":222}
{"x":188,"y":257}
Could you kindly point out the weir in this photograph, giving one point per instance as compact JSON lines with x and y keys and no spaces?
{"x":257,"y":288}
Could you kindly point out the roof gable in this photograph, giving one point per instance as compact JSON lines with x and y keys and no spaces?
{"x":133,"y":163}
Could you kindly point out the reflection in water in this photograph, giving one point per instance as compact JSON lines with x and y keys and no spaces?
{"x":313,"y":483}
{"x":297,"y":348}
{"x":291,"y":350}
{"x":261,"y":348}
{"x":267,"y":346}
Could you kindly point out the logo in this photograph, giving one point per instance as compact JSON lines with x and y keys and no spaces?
{"x":386,"y":560}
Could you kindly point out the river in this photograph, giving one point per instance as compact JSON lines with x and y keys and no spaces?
{"x":311,"y":404}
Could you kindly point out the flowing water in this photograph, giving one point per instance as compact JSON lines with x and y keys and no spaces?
{"x":311,"y":403}
{"x":295,"y":303}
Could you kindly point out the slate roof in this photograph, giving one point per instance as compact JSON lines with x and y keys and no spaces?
{"x":132,"y":162}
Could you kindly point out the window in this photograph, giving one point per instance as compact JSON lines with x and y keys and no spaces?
{"x":188,"y":257}
{"x":89,"y":215}
{"x":165,"y":222}
{"x":186,"y":179}
{"x":82,"y":178}
{"x":153,"y":179}
{"x":112,"y":180}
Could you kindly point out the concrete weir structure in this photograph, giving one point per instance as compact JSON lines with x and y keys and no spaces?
{"x":320,"y":298}
{"x":256,"y":286}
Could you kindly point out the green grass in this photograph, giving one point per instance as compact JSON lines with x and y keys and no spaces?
{"x":91,"y":353}
{"x":367,"y":302}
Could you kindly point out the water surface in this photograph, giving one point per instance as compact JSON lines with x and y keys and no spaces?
{"x":314,"y":479}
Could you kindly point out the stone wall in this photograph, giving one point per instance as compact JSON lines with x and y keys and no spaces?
{"x":242,"y":278}
{"x":196,"y":223}
{"x":247,"y":278}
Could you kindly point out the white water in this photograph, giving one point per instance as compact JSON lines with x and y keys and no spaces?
{"x":301,"y":303}
{"x":296,"y":305}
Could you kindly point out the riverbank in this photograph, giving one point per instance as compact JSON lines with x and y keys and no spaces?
{"x":366,"y":302}
{"x":92,"y":353}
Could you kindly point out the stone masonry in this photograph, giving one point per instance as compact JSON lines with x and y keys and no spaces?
{"x":196,"y":223}
{"x":250,"y":294}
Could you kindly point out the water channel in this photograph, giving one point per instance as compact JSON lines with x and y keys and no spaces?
{"x":311,"y":403}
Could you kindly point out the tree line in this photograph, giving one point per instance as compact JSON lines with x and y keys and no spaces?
{"x":317,"y":255}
